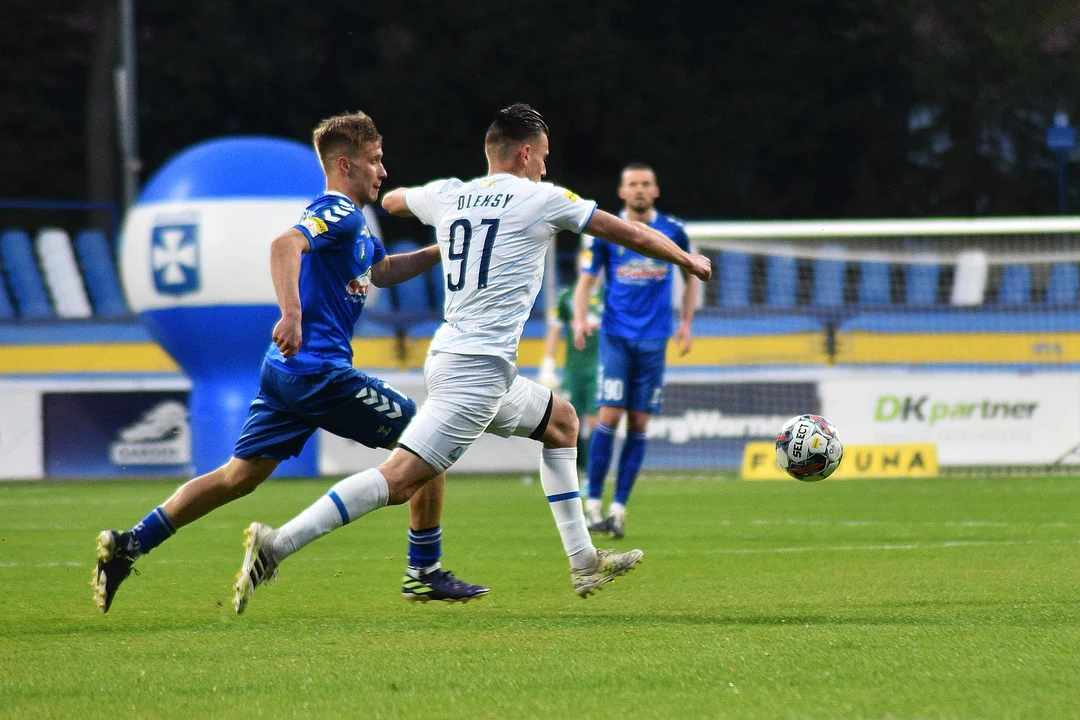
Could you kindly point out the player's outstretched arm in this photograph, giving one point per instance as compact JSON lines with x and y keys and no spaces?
{"x":643,"y":239}
{"x":393,"y":202}
{"x":394,"y":269}
{"x":285,"y":254}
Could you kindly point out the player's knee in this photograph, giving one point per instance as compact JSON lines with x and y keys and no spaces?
{"x":244,"y":476}
{"x":405,"y":475}
{"x":637,"y":421}
{"x":562,"y":429}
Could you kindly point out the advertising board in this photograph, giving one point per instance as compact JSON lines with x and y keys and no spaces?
{"x":110,"y":433}
{"x":20,"y":432}
{"x":974,"y":419}
{"x":706,"y":422}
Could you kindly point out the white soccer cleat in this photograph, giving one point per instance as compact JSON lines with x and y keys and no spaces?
{"x":258,"y":568}
{"x":594,"y":513}
{"x":608,"y":566}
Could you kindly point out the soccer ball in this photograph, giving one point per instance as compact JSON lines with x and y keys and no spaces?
{"x":808,"y":448}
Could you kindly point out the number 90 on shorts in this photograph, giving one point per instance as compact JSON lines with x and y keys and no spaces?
{"x":631,"y":373}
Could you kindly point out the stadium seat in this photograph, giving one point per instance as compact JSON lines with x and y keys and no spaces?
{"x":874,"y":283}
{"x":970,"y":278}
{"x":828,"y":287}
{"x":734,"y":279}
{"x":921,"y":283}
{"x":7,"y":308}
{"x":27,"y":287}
{"x":99,"y":271}
{"x":62,"y":275}
{"x":412,"y":295}
{"x":1015,"y":285}
{"x":781,"y":281}
{"x":1063,"y":284}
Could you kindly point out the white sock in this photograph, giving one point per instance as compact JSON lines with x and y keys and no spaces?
{"x":416,"y":572}
{"x":594,"y":508}
{"x":617,"y":511}
{"x":349,"y":500}
{"x":558,"y":476}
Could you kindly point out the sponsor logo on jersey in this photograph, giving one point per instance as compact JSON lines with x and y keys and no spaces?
{"x":571,"y":195}
{"x":640,"y":272}
{"x":357,"y":288}
{"x":315,"y":225}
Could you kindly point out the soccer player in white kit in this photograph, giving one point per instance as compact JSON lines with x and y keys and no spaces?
{"x":493,"y":234}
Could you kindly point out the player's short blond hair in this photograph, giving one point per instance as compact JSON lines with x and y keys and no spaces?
{"x":343,"y":135}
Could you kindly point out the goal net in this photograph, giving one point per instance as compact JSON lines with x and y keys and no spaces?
{"x":961,"y":334}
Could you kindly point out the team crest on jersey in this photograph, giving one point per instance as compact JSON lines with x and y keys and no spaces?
{"x":357,"y":288}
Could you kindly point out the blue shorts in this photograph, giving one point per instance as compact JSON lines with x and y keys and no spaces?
{"x":346,"y":402}
{"x":631,"y":373}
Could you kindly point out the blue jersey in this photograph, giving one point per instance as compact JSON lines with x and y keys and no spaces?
{"x":334,"y":279}
{"x":637,"y":293}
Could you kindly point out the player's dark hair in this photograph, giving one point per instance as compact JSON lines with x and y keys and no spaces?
{"x":343,"y":135}
{"x":514,"y":126}
{"x":637,"y":166}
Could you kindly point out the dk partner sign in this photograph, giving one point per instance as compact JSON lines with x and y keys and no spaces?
{"x":972,"y":418}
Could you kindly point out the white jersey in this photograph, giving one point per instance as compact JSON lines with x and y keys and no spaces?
{"x":493,"y":235}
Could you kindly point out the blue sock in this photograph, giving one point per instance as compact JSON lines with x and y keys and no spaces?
{"x":154,"y":529}
{"x":425,"y":547}
{"x":630,"y":460}
{"x":600,"y":448}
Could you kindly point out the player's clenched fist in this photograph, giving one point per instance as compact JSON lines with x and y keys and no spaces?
{"x":288,"y":336}
{"x":700,"y":267}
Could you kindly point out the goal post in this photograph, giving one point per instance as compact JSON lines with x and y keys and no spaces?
{"x":964,"y":333}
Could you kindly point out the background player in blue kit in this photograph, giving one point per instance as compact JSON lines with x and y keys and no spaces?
{"x":633,"y":340}
{"x":321,"y":268}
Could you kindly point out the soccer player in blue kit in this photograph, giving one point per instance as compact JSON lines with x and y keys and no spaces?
{"x":633,"y":340}
{"x":507,"y":219}
{"x":321,"y":269}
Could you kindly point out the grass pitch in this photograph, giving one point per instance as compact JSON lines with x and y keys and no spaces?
{"x":950,"y":598}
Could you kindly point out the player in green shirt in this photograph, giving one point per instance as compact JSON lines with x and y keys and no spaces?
{"x":578,"y":383}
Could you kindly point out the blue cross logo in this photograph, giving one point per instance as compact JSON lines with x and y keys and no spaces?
{"x":174,"y":259}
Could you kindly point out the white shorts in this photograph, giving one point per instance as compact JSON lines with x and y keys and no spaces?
{"x":469,"y":395}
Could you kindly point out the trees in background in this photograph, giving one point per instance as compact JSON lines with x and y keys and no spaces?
{"x":845,"y":108}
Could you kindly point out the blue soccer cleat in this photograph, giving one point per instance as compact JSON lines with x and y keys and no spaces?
{"x":440,"y":585}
